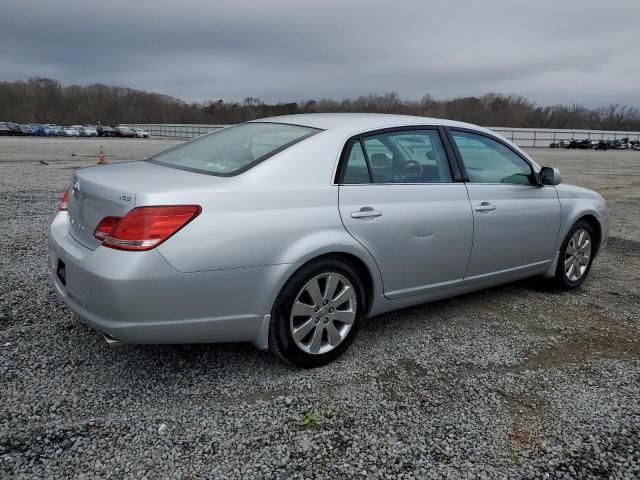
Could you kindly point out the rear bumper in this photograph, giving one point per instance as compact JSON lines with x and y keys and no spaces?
{"x":138,"y":297}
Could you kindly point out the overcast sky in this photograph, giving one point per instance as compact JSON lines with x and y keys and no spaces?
{"x":551,"y":51}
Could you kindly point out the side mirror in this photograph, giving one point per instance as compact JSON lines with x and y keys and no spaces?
{"x":549,"y":176}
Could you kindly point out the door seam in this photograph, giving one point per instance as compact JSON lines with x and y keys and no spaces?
{"x":473,"y":233}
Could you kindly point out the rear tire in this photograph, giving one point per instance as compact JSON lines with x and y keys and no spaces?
{"x":576,"y":256}
{"x":317,"y":313}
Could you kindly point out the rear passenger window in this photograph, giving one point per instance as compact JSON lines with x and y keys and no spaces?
{"x":356,"y":170}
{"x":489,"y":161}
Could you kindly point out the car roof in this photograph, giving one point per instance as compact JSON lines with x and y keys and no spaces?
{"x":362,"y":121}
{"x":356,"y":123}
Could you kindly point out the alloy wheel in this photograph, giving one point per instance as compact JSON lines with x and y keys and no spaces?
{"x":577,"y":255}
{"x":323,"y":313}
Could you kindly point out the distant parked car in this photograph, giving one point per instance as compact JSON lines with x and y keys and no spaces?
{"x":68,"y":132}
{"x":560,"y":144}
{"x":90,"y":131}
{"x":5,"y":130}
{"x":79,"y":128}
{"x":105,"y":131}
{"x":579,"y":144}
{"x":14,"y":127}
{"x":125,"y":132}
{"x":47,"y":130}
{"x":26,"y":130}
{"x":140,"y":133}
{"x":55,"y":130}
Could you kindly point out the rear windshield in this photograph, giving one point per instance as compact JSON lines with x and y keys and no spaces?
{"x":233,"y":150}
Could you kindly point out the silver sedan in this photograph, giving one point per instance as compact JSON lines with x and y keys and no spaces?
{"x":288,"y":231}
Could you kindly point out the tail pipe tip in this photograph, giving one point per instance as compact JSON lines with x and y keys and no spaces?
{"x":112,"y":342}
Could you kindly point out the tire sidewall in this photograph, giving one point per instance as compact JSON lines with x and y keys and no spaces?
{"x":561,"y":277}
{"x":280,"y":338}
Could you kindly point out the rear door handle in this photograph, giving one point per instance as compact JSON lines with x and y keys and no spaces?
{"x":366,"y":212}
{"x":484,"y":207}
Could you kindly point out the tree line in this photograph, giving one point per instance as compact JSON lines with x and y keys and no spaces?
{"x":43,"y":100}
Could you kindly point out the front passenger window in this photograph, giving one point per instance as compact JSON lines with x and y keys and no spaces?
{"x":489,"y":161}
{"x":408,"y":156}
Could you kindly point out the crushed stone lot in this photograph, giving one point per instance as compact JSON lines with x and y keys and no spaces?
{"x":517,"y":381}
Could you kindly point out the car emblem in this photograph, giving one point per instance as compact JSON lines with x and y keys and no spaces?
{"x":75,"y":188}
{"x":75,"y":224}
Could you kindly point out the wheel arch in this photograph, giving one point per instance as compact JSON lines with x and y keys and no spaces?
{"x":594,"y":223}
{"x":362,"y":262}
{"x":362,"y":267}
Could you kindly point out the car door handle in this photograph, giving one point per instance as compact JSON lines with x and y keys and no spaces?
{"x":484,"y":207}
{"x":366,"y":212}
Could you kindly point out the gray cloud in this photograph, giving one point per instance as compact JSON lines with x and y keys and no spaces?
{"x":574,"y":51}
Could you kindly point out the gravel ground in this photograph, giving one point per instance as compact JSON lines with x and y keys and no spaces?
{"x":513,"y":382}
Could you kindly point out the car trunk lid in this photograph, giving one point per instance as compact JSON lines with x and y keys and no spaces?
{"x":115,"y":189}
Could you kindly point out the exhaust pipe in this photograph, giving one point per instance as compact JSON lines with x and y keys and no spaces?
{"x":112,"y":342}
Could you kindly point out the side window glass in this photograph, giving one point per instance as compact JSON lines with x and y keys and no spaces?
{"x":416,"y":156}
{"x":380,"y":158}
{"x":356,"y":170}
{"x":489,"y":161}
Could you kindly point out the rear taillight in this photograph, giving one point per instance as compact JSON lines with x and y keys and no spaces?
{"x":144,"y":228}
{"x":64,"y":203}
{"x":105,"y":227}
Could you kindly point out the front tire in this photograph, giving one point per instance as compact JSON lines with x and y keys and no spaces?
{"x":317,"y":314}
{"x":576,"y":256}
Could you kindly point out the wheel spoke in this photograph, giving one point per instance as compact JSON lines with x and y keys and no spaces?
{"x":333,"y":334}
{"x":571,"y":268}
{"x":303,"y":330}
{"x":330,"y":289}
{"x":344,"y":316}
{"x":345,"y":294}
{"x":316,"y":341}
{"x":313,"y":288}
{"x":302,"y":309}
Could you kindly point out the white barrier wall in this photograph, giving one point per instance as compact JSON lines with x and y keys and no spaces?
{"x":523,"y":137}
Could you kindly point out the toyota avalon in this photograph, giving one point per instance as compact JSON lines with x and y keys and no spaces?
{"x":288,"y":231}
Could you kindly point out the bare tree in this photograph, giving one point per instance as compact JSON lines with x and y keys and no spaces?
{"x":43,"y":100}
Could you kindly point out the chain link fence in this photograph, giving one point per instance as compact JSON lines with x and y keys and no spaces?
{"x":523,"y":137}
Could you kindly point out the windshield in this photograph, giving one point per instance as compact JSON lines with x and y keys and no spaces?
{"x":233,"y":150}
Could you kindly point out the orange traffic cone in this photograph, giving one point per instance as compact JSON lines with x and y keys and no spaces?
{"x":101,"y":157}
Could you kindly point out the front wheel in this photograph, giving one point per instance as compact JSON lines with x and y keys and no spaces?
{"x":317,"y":314}
{"x":576,"y":256}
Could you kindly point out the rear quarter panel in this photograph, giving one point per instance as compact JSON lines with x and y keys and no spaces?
{"x":282,"y":211}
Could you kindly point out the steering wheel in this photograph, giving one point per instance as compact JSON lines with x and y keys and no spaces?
{"x":403,"y":173}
